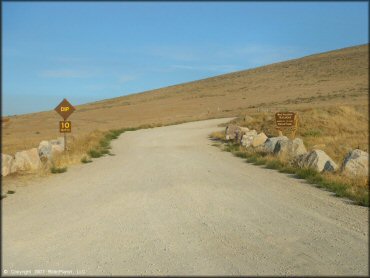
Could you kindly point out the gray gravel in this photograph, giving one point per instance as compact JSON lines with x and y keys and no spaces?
{"x":170,"y":203}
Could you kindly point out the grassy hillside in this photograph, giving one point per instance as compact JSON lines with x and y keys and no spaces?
{"x":322,"y":82}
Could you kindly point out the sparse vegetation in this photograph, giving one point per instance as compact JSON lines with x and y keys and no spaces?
{"x":78,"y":149}
{"x":274,"y":164}
{"x":94,"y":153}
{"x":353,"y":189}
{"x":217,"y":135}
{"x":335,"y":129}
{"x":85,"y":159}
{"x":312,"y":133}
{"x":57,"y":170}
{"x":94,"y":145}
{"x":104,"y":151}
{"x":103,"y":147}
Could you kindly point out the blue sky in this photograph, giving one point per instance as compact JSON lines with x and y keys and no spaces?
{"x":91,"y":51}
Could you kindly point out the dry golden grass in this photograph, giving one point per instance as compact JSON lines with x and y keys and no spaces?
{"x":334,"y":129}
{"x":318,"y":81}
{"x":5,"y":122}
{"x":217,"y":135}
{"x":77,"y":149}
{"x":354,"y":188}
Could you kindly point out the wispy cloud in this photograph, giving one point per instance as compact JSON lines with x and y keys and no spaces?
{"x":175,"y":53}
{"x":126,"y":78}
{"x":67,"y":73}
{"x":260,"y":54}
{"x":221,"y":59}
{"x":212,"y":68}
{"x":102,"y":87}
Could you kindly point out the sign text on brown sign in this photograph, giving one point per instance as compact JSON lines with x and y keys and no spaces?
{"x":65,"y":109}
{"x":65,"y":126}
{"x":285,"y":119}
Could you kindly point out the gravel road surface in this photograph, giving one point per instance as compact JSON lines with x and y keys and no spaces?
{"x":170,"y":203}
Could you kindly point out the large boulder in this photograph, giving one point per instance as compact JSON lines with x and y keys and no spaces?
{"x":270,"y":143}
{"x":234,"y":132}
{"x":356,"y":163}
{"x":259,"y":139}
{"x":44,"y":150}
{"x":289,"y":149}
{"x":239,"y":133}
{"x":59,"y":141}
{"x":230,"y":132}
{"x":248,"y":137}
{"x":27,"y":160}
{"x":317,"y":160}
{"x":55,"y":149}
{"x":7,"y":165}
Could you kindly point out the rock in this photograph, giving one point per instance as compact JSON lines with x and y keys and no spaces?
{"x":248,"y":138}
{"x":259,"y":139}
{"x":317,"y":160}
{"x":47,"y":149}
{"x":234,"y":132}
{"x":239,"y":133}
{"x":270,"y":143}
{"x":289,"y":149}
{"x":356,"y":163}
{"x":230,"y":132}
{"x":44,"y":150}
{"x":56,"y":149}
{"x":59,"y":141}
{"x":27,"y":160}
{"x":54,"y":142}
{"x":7,"y":165}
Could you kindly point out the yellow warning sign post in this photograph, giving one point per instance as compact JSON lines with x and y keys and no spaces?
{"x":65,"y":109}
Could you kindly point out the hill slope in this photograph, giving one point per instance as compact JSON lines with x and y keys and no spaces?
{"x":322,"y":80}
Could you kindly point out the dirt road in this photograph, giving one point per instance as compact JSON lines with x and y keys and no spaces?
{"x":170,"y":203}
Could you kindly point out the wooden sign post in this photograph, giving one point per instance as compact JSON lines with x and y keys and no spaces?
{"x":65,"y":109}
{"x":286,"y":120}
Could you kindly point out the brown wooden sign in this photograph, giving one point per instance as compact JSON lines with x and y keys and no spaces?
{"x":285,"y":119}
{"x":65,"y":109}
{"x":65,"y":126}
